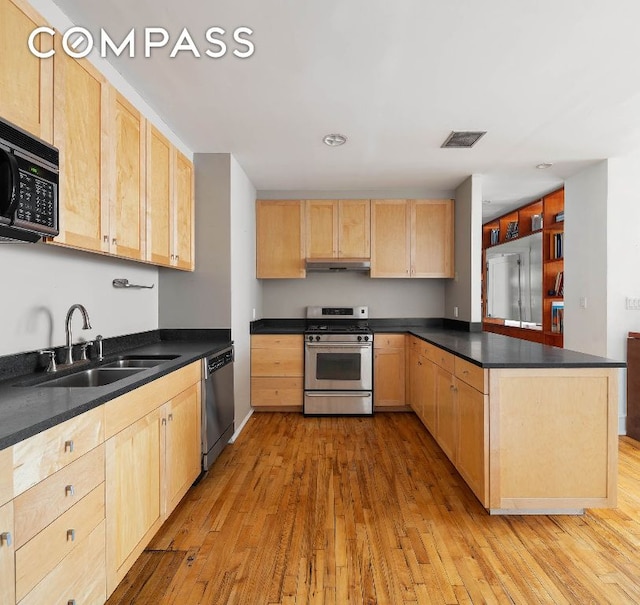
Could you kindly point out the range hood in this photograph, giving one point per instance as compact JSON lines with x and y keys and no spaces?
{"x":338,"y":264}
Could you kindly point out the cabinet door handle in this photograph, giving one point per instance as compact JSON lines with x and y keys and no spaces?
{"x":105,"y":239}
{"x":68,"y":446}
{"x":71,"y":535}
{"x":69,"y":490}
{"x":170,"y":417}
{"x":177,"y":257}
{"x":5,"y":538}
{"x":114,"y":241}
{"x":164,"y":421}
{"x":71,"y":602}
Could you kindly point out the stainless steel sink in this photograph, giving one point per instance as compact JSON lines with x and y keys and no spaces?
{"x":96,"y":377}
{"x":130,"y":361}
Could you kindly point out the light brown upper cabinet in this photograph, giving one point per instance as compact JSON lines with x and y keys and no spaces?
{"x":159,"y":197}
{"x":412,"y":238}
{"x":127,"y":178}
{"x":432,"y":238}
{"x":280,"y":239}
{"x":183,"y":210}
{"x":169,"y":203}
{"x":338,"y":228}
{"x":26,"y":82}
{"x":81,"y":112}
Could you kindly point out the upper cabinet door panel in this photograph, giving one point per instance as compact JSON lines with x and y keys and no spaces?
{"x":159,"y":197}
{"x":390,"y":238}
{"x":184,"y":226}
{"x":128,"y":207}
{"x":354,"y":229}
{"x":26,"y":82}
{"x":432,"y":238}
{"x":322,"y":228}
{"x":81,"y":110}
{"x":280,"y":239}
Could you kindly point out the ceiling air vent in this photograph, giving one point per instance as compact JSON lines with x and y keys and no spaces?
{"x":463,"y":138}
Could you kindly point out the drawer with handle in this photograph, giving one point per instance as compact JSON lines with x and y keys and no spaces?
{"x":38,"y":457}
{"x":472,"y":374}
{"x":38,"y":507}
{"x":80,"y":578}
{"x":38,"y":557}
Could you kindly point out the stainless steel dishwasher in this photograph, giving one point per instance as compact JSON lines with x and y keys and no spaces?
{"x":217,"y":405}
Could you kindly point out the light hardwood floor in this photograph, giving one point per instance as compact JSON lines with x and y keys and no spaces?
{"x":369,"y":510}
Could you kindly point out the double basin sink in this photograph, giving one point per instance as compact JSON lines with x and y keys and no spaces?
{"x":123,"y":367}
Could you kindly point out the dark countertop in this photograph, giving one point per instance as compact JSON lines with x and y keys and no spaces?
{"x":484,"y":349}
{"x":496,"y":351}
{"x":28,"y":410}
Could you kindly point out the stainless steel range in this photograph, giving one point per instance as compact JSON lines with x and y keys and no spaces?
{"x":338,"y":362}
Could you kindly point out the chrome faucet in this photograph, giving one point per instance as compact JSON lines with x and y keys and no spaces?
{"x":86,"y":326}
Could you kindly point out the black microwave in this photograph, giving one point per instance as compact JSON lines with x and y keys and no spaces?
{"x":28,"y":186}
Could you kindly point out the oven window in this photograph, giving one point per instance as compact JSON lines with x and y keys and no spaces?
{"x":338,"y":366}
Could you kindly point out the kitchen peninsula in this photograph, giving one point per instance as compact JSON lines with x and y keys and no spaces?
{"x":531,"y":428}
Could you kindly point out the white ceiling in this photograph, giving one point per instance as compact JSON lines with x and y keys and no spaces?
{"x":551,"y":81}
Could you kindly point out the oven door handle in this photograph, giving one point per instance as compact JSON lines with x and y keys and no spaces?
{"x":342,"y":345}
{"x":337,"y":394}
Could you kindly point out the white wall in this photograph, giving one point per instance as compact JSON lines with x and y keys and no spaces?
{"x":246,"y":291}
{"x":201,"y":299}
{"x":464,"y":291}
{"x":602,"y":214}
{"x":623,"y":252}
{"x":385,"y":297}
{"x":585,"y":262}
{"x":40,"y":282}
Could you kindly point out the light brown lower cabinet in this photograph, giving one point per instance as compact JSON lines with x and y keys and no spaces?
{"x":7,"y":556}
{"x":389,"y":360}
{"x":446,"y":414}
{"x":133,"y":493}
{"x":150,"y":463}
{"x":74,"y":519}
{"x":277,"y":371}
{"x":512,"y":433}
{"x":182,"y":445}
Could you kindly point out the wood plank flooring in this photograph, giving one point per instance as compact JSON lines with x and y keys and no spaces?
{"x":369,"y":510}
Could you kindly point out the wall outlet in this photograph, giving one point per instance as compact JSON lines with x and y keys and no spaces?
{"x":455,"y":311}
{"x":253,"y":314}
{"x":632,"y":304}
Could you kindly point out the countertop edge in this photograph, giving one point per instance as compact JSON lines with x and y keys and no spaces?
{"x":128,"y":384}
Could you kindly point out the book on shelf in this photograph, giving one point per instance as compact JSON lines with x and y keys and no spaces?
{"x":557,"y":246}
{"x":557,"y":317}
{"x":512,"y":230}
{"x":494,"y":236}
{"x":560,"y":217}
{"x":558,"y":288}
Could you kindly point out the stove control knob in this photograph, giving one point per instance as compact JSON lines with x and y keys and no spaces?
{"x":310,"y":338}
{"x":366,"y":338}
{"x":359,"y":338}
{"x":317,"y":338}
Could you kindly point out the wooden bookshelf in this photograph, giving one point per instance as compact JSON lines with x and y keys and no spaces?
{"x":553,"y":204}
{"x":549,"y":207}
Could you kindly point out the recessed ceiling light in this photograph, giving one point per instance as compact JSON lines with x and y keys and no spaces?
{"x":544,"y":165}
{"x":334,"y":140}
{"x":463,"y":138}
